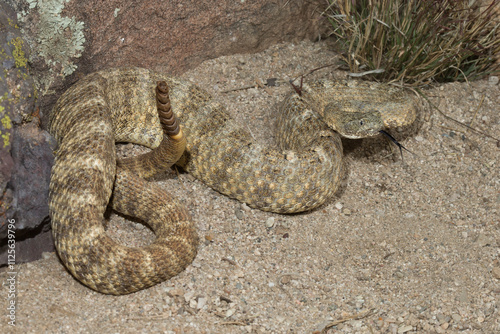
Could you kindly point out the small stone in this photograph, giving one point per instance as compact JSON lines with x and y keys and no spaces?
{"x":456,"y":317}
{"x":193,"y":303}
{"x":399,"y":274}
{"x":201,"y":303}
{"x":426,"y":327}
{"x":404,"y":329}
{"x":419,"y":138}
{"x":270,"y":222}
{"x":441,"y":318}
{"x":245,"y":207}
{"x":438,"y":329}
{"x":46,"y":255}
{"x":229,"y":313}
{"x":496,"y":272}
{"x":480,"y":319}
{"x":285,"y":279}
{"x":463,"y":297}
{"x":493,"y":80}
{"x":339,"y":206}
{"x":174,"y":292}
{"x":321,"y":326}
{"x":347,"y":212}
{"x":445,"y":325}
{"x":188,"y":296}
{"x":239,"y":213}
{"x":356,"y":323}
{"x":482,"y":240}
{"x":239,"y":273}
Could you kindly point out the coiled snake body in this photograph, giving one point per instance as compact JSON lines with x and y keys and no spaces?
{"x":118,"y":105}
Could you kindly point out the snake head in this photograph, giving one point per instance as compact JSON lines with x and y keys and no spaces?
{"x":352,"y":124}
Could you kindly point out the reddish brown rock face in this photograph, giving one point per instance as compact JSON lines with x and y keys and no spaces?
{"x":180,"y":35}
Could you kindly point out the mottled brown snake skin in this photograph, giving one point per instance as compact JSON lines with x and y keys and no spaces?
{"x":120,"y":105}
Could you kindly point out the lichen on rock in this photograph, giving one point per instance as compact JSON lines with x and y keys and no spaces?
{"x":58,"y":39}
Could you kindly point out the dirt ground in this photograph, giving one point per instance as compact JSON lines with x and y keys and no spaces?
{"x":407,"y":245}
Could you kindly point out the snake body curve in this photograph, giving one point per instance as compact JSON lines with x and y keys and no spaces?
{"x":118,"y":105}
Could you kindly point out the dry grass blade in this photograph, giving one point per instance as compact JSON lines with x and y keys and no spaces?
{"x":417,"y":42}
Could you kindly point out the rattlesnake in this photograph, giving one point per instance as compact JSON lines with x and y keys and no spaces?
{"x":118,"y":105}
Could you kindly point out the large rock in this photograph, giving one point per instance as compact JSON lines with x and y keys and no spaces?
{"x":181,"y":34}
{"x":25,"y":150}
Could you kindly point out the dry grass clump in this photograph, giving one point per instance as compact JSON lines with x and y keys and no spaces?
{"x":417,"y":42}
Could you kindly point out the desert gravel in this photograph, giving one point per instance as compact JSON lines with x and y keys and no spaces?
{"x":406,"y":245}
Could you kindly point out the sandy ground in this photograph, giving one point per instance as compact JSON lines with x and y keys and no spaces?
{"x":405,"y":246}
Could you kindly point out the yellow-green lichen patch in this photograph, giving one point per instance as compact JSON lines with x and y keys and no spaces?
{"x":6,"y":139}
{"x":6,"y":121}
{"x":18,"y":52}
{"x":6,"y":125}
{"x":12,"y":23}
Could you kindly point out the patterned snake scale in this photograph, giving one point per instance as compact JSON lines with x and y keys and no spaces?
{"x":119,"y":105}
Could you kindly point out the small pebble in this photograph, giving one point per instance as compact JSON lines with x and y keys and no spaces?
{"x":188,"y":296}
{"x":482,"y":240}
{"x":496,"y":272}
{"x":239,"y":213}
{"x":46,"y":255}
{"x":399,"y":274}
{"x":172,"y":292}
{"x":193,"y":303}
{"x":493,"y":80}
{"x":270,"y":222}
{"x":404,"y":329}
{"x":463,"y":297}
{"x":441,"y":318}
{"x":229,"y":313}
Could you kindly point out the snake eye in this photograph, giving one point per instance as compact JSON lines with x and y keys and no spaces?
{"x":361,"y":122}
